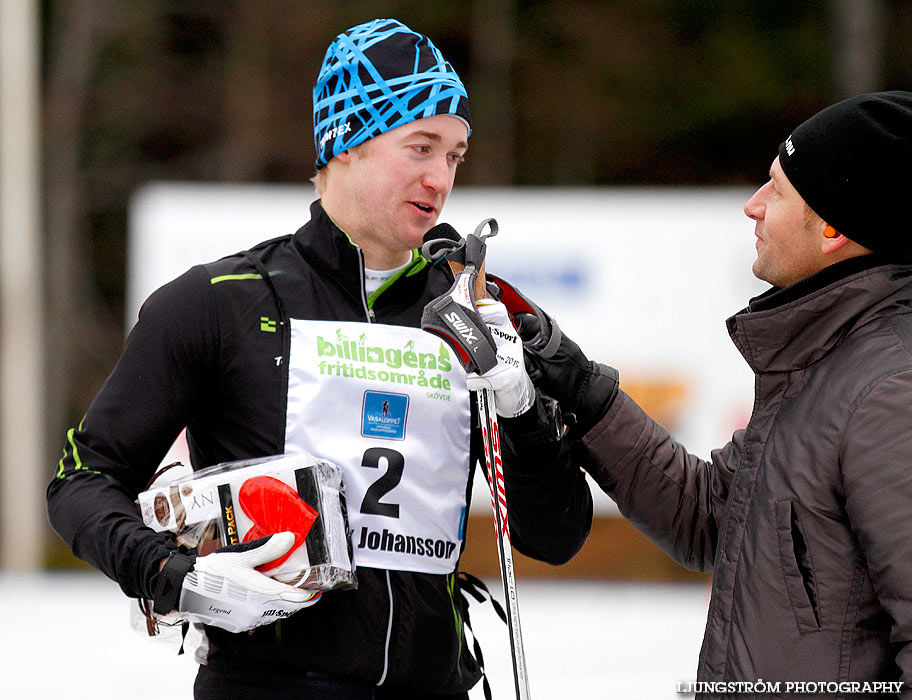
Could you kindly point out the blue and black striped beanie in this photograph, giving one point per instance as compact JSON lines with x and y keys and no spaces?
{"x":375,"y":77}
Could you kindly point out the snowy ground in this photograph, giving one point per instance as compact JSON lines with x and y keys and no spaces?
{"x":68,"y":636}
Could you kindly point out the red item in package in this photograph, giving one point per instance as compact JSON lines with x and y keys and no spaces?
{"x":273,"y":506}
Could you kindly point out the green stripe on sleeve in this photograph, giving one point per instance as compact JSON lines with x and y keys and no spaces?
{"x":75,"y":451}
{"x":227,"y":278}
{"x":244,"y":276}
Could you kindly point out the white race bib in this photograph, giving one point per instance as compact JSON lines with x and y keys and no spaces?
{"x":389,"y":405}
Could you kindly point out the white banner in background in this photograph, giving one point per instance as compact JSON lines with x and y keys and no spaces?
{"x":642,"y":278}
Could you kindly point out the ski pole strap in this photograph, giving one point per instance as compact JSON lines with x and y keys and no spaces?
{"x":476,"y":588}
{"x":443,"y":244}
{"x":479,"y":657}
{"x":466,"y":583}
{"x":463,"y":330}
{"x":443,"y":241}
{"x":476,"y":649}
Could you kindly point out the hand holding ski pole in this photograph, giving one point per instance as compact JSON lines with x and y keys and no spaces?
{"x":512,"y":387}
{"x":455,"y":317}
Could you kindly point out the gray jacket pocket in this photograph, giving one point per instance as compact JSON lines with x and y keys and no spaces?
{"x":797,"y":567}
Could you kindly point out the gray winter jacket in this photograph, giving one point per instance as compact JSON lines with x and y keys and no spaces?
{"x":805,"y":517}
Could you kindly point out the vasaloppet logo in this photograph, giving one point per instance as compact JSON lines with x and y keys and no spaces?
{"x":383,"y":415}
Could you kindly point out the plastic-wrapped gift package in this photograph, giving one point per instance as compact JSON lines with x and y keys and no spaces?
{"x":242,"y":501}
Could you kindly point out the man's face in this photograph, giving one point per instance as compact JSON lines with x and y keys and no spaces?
{"x":788,"y":244}
{"x":397,"y":184}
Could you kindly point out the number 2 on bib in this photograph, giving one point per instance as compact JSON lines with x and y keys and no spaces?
{"x":395,"y":463}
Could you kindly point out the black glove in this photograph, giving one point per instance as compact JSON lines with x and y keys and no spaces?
{"x":584,"y":389}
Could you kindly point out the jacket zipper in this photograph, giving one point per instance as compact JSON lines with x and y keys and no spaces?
{"x":368,"y":312}
{"x":389,"y":631}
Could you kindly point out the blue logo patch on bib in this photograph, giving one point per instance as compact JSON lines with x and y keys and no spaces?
{"x":383,"y":415}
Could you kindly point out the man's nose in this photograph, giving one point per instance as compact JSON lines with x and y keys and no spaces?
{"x":755,"y":207}
{"x":437,"y":176}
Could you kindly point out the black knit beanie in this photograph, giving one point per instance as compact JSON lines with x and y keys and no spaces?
{"x":852,"y":164}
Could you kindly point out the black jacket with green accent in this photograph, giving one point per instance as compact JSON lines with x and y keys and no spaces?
{"x":208,"y":353}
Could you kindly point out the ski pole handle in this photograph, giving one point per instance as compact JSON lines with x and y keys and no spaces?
{"x":444,"y":241}
{"x":453,"y":316}
{"x":480,"y":287}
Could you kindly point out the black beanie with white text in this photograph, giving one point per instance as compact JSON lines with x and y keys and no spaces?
{"x":852,"y":164}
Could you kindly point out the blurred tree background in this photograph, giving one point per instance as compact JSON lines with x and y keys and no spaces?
{"x":563,"y":92}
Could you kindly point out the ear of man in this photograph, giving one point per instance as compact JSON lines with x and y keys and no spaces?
{"x":835,"y":243}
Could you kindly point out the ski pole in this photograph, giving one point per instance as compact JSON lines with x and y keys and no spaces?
{"x":453,"y":318}
{"x":491,"y":437}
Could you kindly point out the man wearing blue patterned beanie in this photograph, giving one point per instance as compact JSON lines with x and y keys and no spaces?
{"x":391,"y":125}
{"x":312,"y":343}
{"x":375,"y":77}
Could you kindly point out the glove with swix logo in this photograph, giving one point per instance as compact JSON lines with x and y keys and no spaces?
{"x":224,"y":589}
{"x":513,"y":390}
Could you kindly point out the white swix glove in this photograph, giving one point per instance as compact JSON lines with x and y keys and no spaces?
{"x":513,"y":390}
{"x":225,"y":590}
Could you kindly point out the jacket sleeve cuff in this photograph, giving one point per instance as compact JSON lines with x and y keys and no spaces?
{"x":541,"y":425}
{"x":170,"y":581}
{"x":146,"y":565}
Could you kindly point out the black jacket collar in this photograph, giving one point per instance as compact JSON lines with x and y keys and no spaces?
{"x":325,"y":246}
{"x":329,"y":249}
